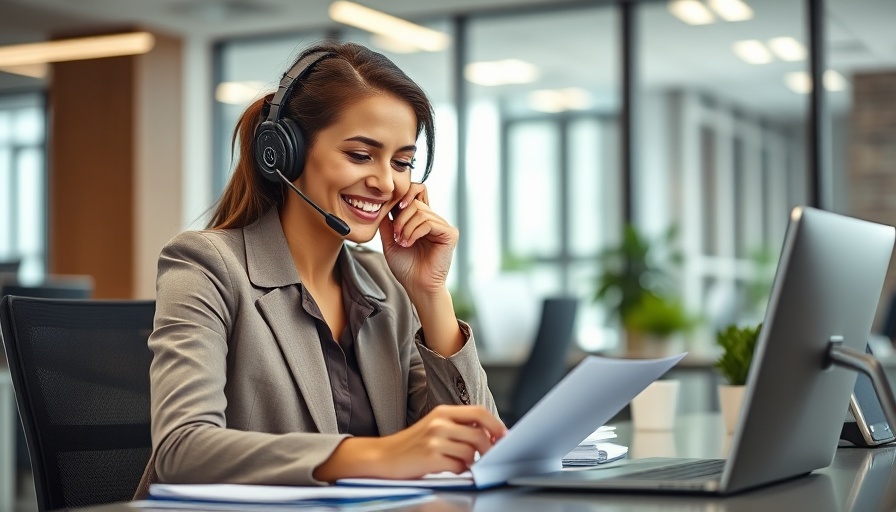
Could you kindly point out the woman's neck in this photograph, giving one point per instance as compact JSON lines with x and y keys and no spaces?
{"x":314,"y":245}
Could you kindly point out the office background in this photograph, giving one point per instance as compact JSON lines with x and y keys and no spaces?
{"x":559,"y":122}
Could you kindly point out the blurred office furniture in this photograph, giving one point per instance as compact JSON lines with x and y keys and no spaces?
{"x":80,"y":370}
{"x":889,"y":327}
{"x":9,"y":270}
{"x":546,"y":363}
{"x":53,"y":287}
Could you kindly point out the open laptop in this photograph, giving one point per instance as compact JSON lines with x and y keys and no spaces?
{"x":827,"y":285}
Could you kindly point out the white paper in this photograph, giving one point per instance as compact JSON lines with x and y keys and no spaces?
{"x":586,"y":398}
{"x":238,"y":493}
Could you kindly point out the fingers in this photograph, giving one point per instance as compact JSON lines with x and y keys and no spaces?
{"x":475,"y":416}
{"x":416,"y":221}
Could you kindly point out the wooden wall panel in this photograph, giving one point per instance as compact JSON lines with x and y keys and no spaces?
{"x":91,"y":172}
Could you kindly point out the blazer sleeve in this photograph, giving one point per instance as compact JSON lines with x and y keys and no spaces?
{"x":459,"y":379}
{"x":191,"y":440}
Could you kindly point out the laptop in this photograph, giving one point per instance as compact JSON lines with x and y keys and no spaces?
{"x":826,"y":287}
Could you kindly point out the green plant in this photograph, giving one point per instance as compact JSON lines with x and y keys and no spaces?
{"x":658,"y":315}
{"x":738,"y":344}
{"x":636,"y":268}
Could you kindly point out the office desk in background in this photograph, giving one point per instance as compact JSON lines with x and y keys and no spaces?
{"x":697,"y":374}
{"x":858,"y":480}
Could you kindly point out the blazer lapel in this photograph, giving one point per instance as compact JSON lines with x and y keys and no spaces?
{"x":377,"y":351}
{"x":270,"y":265}
{"x":297,"y":336}
{"x":378,"y":360}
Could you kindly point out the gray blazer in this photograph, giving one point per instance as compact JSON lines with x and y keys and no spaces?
{"x":240,"y":392}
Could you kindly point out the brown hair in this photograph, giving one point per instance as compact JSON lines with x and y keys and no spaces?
{"x":315,"y":104}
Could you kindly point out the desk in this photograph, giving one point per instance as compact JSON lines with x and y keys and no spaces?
{"x":859,"y":480}
{"x":7,"y":441}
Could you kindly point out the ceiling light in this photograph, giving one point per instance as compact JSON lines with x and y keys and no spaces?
{"x":559,"y":100}
{"x":752,"y":51}
{"x":390,"y":44}
{"x":833,"y":81}
{"x":387,"y":25}
{"x":29,"y":70}
{"x":94,"y":47}
{"x":691,"y":12}
{"x":731,"y":10}
{"x":238,"y":93}
{"x":501,"y":72}
{"x":801,"y":83}
{"x":787,"y":49}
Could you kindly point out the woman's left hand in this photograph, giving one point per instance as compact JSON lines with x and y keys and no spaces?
{"x":418,"y":244}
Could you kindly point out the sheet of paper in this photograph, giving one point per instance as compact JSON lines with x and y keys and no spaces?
{"x":586,"y":398}
{"x":276,"y":494}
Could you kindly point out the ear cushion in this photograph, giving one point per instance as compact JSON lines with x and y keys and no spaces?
{"x":279,"y":145}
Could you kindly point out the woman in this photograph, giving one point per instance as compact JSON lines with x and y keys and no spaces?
{"x":283,"y":355}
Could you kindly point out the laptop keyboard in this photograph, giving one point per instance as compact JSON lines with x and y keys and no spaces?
{"x":697,"y":469}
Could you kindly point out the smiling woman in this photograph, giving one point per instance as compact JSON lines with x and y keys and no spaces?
{"x":283,"y":355}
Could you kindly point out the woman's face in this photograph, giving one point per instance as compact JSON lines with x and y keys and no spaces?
{"x":360,"y":167}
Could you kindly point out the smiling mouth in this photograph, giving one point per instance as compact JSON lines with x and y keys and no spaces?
{"x":364,"y":206}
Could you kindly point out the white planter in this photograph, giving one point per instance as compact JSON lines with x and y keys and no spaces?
{"x":730,"y":400}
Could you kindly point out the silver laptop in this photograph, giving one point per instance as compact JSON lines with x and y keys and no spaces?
{"x":827,"y":285}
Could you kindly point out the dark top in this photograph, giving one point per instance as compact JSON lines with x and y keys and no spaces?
{"x":354,"y":414}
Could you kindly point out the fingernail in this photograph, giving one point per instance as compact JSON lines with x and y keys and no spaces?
{"x":402,"y":205}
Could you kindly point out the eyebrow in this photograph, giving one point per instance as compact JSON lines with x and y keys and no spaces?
{"x":377,"y":144}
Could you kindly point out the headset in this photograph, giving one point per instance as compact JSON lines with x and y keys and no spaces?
{"x":279,"y":146}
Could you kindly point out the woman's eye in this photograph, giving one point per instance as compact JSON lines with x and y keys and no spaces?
{"x":358,"y":157}
{"x":404,"y":165}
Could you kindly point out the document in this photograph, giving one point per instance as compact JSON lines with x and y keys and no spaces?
{"x":586,"y":398}
{"x":275,"y":497}
{"x":592,"y":454}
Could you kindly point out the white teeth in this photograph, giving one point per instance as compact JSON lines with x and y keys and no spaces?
{"x":363,"y":205}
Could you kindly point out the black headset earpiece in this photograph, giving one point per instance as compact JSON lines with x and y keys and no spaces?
{"x":279,"y":144}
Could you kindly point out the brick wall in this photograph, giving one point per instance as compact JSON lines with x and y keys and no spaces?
{"x":872,"y":158}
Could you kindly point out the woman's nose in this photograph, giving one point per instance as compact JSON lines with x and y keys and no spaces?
{"x":381,"y":179}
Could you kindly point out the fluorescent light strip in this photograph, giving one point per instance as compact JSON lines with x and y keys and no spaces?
{"x":787,"y":49}
{"x":691,"y":12}
{"x":801,"y":83}
{"x":29,"y":70}
{"x":238,"y":93}
{"x":752,"y":51}
{"x":94,"y":47}
{"x":559,"y":100}
{"x":387,"y":25}
{"x":501,"y":72}
{"x":731,"y":10}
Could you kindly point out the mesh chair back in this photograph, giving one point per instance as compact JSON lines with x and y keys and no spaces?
{"x":68,"y":287}
{"x":546,"y":363}
{"x":80,"y":370}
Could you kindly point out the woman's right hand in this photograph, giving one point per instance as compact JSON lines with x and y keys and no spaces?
{"x":446,"y":439}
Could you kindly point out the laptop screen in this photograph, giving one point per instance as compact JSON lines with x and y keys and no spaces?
{"x":827,"y":285}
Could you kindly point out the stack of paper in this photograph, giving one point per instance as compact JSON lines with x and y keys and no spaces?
{"x":275,"y":497}
{"x":595,"y":449}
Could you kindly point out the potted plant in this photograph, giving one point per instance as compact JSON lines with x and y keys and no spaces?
{"x":653,"y":321}
{"x":636,"y":287}
{"x":738,"y":345}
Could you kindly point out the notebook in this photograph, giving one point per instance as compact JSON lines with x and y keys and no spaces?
{"x":586,"y":398}
{"x":826,"y":289}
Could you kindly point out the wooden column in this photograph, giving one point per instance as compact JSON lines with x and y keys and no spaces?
{"x":107,"y":137}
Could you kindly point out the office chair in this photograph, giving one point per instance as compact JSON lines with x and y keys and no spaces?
{"x":80,"y":371}
{"x":546,"y":363}
{"x":54,"y":287}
